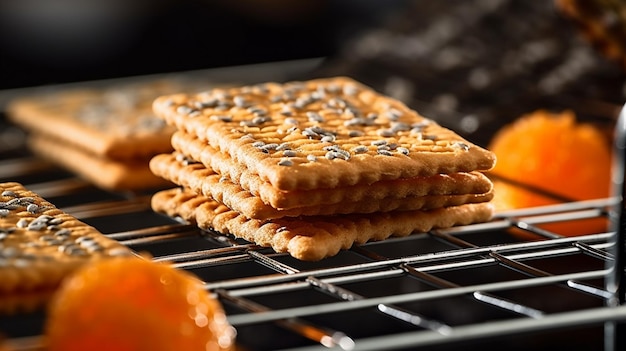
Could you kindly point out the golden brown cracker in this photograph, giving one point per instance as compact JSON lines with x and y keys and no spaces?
{"x":460,"y":183}
{"x":40,"y":245}
{"x":204,"y":181}
{"x":317,"y":237}
{"x":322,"y":133}
{"x":115,"y":122}
{"x":132,"y":174}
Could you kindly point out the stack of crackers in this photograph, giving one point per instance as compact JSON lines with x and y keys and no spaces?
{"x":105,"y":135}
{"x":312,"y":168}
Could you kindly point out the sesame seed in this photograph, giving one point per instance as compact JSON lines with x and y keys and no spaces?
{"x":394,"y":114}
{"x":269,"y":147}
{"x":9,"y":193}
{"x":283,"y":146}
{"x":240,"y":101}
{"x":285,"y":162}
{"x":461,"y":146}
{"x":4,"y":212}
{"x":184,"y":110}
{"x":291,"y":121}
{"x":55,"y":221}
{"x":289,"y":153}
{"x":403,"y":150}
{"x":257,"y":111}
{"x":308,"y":132}
{"x":360,"y":149}
{"x":399,"y":127}
{"x":311,"y":158}
{"x":258,"y":144}
{"x":355,"y":133}
{"x":385,"y":152}
{"x":385,"y":133}
{"x":286,"y":111}
{"x":210,"y":102}
{"x":32,"y":208}
{"x":22,"y":223}
{"x":221,"y":118}
{"x":379,"y":142}
{"x":350,"y":90}
{"x":63,"y":233}
{"x":259,"y":120}
{"x":328,"y":138}
{"x":314,"y":116}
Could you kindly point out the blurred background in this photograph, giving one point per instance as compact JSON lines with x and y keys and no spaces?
{"x":473,"y":65}
{"x":49,"y":42}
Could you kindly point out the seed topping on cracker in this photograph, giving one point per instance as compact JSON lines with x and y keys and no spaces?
{"x":31,"y":229}
{"x":336,"y":120}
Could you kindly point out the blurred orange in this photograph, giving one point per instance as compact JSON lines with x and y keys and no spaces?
{"x":553,"y":152}
{"x":126,"y":304}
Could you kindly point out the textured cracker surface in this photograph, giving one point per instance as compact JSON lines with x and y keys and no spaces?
{"x":205,"y":182}
{"x":41,"y":245}
{"x":316,"y":237}
{"x":332,"y":132}
{"x":460,"y":183}
{"x":115,"y":123}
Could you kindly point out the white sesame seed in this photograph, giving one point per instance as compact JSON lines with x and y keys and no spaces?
{"x":285,"y":162}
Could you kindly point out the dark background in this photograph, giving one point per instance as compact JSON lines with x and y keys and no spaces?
{"x":471,"y":65}
{"x":58,"y":41}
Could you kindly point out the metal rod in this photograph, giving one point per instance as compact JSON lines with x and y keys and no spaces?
{"x":615,"y":338}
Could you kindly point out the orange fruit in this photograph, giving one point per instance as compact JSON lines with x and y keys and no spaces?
{"x":555,"y":153}
{"x":129,"y":304}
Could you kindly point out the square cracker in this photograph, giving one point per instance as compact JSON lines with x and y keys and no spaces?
{"x":40,"y":245}
{"x":115,"y":122}
{"x":460,"y":183}
{"x":321,"y":133}
{"x":110,"y":174}
{"x":317,"y":237}
{"x":201,"y":180}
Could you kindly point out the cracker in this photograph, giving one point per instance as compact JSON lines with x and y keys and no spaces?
{"x":201,"y":180}
{"x":40,"y":245}
{"x":322,"y":133}
{"x":115,"y":122}
{"x":105,"y":173}
{"x":313,"y":238}
{"x":460,"y":183}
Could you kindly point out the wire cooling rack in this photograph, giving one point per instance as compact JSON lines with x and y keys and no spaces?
{"x":516,"y":282}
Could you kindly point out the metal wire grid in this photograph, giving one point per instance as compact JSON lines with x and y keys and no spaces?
{"x":510,"y":283}
{"x":480,"y":283}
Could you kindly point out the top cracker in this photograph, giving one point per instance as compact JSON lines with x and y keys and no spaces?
{"x":321,"y":133}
